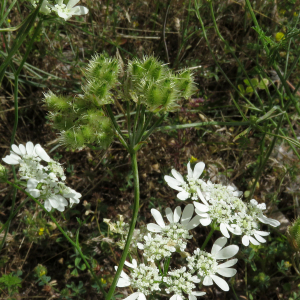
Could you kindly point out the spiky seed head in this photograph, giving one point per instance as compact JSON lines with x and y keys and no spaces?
{"x":56,"y":103}
{"x":185,"y":84}
{"x":62,"y":121}
{"x":294,"y":234}
{"x":94,"y":117}
{"x":72,"y":138}
{"x":88,"y":133}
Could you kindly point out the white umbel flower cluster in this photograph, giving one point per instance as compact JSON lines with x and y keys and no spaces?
{"x":221,"y":204}
{"x":181,"y":282}
{"x":43,"y":182}
{"x":65,"y":11}
{"x":144,"y":278}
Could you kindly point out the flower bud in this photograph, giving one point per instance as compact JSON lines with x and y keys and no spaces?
{"x":3,"y":172}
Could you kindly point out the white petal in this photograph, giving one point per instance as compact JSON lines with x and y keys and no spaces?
{"x":228,"y":263}
{"x":176,"y":297}
{"x":153,"y":227}
{"x":201,"y":207}
{"x":226,"y":272}
{"x":221,"y":283}
{"x":183,"y":195}
{"x":141,"y":296}
{"x":32,"y":183}
{"x":171,"y":180}
{"x":253,"y":241}
{"x":202,"y":198}
{"x":169,"y":215}
{"x":134,"y":296}
{"x":235,"y":229}
{"x":218,"y":245}
{"x":47,"y":205}
{"x":123,"y":282}
{"x":253,"y":202}
{"x":29,"y":148}
{"x":140,"y":246}
{"x":190,"y":172}
{"x":205,"y":221}
{"x":177,"y":214}
{"x":187,"y":214}
{"x":269,"y":221}
{"x":263,"y":233}
{"x":192,"y":297}
{"x":175,"y":187}
{"x":193,"y":223}
{"x":207,"y":281}
{"x":79,"y":10}
{"x":16,"y":149}
{"x":245,"y":240}
{"x":9,"y":159}
{"x":72,"y":3}
{"x":223,"y":229}
{"x":158,"y":217}
{"x":132,"y":265}
{"x":259,"y":238}
{"x":198,"y":293}
{"x":227,"y":252}
{"x":22,"y":149}
{"x":41,"y":153}
{"x":177,"y":176}
{"x":34,"y":193}
{"x":198,"y":170}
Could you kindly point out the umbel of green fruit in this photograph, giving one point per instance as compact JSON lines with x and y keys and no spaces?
{"x":82,"y":121}
{"x":293,"y":234}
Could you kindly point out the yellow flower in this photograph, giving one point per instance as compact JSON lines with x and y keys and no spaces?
{"x":295,"y":14}
{"x":193,"y":159}
{"x":287,"y":264}
{"x":8,"y":20}
{"x":103,"y":280}
{"x":279,"y":36}
{"x":282,"y":11}
{"x":41,"y":231}
{"x":42,"y":273}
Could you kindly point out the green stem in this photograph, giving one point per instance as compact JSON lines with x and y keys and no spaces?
{"x":149,"y":132}
{"x":209,"y":235}
{"x":166,"y":266}
{"x":133,"y":156}
{"x":63,"y":232}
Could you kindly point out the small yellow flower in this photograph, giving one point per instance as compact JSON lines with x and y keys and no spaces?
{"x":282,"y":11}
{"x":103,"y":280}
{"x":41,"y":231}
{"x":287,"y":264}
{"x":8,"y":20}
{"x":135,"y":24}
{"x":295,"y":14}
{"x":193,"y":160}
{"x":279,"y":36}
{"x":42,"y":273}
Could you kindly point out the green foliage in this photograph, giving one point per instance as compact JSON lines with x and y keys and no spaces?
{"x":11,"y":282}
{"x":294,"y":234}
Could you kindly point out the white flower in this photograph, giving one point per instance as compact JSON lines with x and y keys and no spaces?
{"x":56,"y":201}
{"x":67,"y":11}
{"x":73,"y":195}
{"x":181,"y":282}
{"x":206,"y":265}
{"x":257,"y":240}
{"x":143,"y":278}
{"x":176,"y":231}
{"x":186,"y":189}
{"x":31,"y":151}
{"x":45,"y":7}
{"x":258,"y":209}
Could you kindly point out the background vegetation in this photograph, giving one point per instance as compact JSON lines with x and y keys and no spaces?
{"x":235,"y":68}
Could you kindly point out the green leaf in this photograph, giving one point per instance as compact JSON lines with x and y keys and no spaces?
{"x":77,"y":261}
{"x":249,"y":90}
{"x":74,"y":272}
{"x":83,"y":267}
{"x":241,"y":88}
{"x":263,"y":84}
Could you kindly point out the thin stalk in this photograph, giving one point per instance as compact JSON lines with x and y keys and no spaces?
{"x":174,"y":127}
{"x":128,"y":121}
{"x":139,"y":136}
{"x":116,"y":126}
{"x":136,"y":204}
{"x":262,"y":166}
{"x":208,"y":236}
{"x":63,"y":232}
{"x":140,"y":125}
{"x":7,"y":12}
{"x":151,"y":130}
{"x":166,"y":266}
{"x":135,"y":123}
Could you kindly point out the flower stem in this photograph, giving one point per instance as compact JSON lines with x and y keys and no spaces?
{"x":64,"y":234}
{"x":133,"y":156}
{"x":209,"y":236}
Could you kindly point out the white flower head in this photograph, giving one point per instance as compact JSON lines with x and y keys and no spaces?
{"x":21,"y":152}
{"x":187,"y":188}
{"x":67,"y":11}
{"x":45,"y":7}
{"x":180,"y":224}
{"x":182,"y":282}
{"x":206,"y":264}
{"x":143,"y":278}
